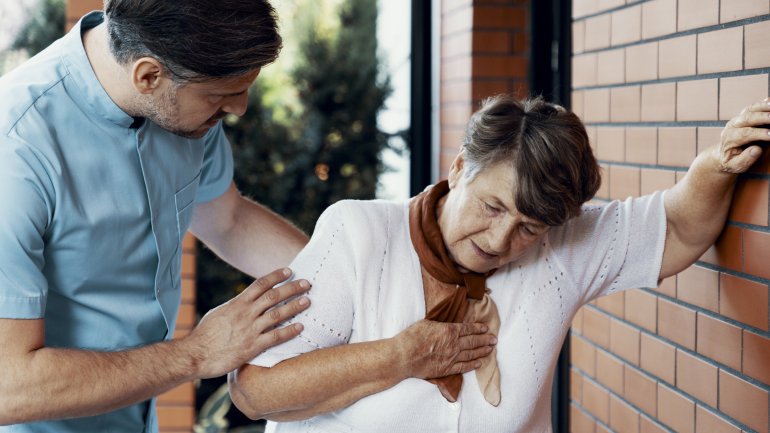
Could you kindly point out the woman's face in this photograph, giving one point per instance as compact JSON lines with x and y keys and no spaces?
{"x":481,"y":227}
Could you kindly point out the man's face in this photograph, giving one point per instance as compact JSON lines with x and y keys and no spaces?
{"x":190,"y":110}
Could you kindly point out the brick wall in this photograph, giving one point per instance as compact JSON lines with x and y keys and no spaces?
{"x":655,"y":82}
{"x":483,"y":51}
{"x":176,"y":408}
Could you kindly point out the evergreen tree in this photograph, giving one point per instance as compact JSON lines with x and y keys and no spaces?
{"x":45,"y":25}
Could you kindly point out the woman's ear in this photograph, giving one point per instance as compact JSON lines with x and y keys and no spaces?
{"x":146,"y":75}
{"x":456,"y":169}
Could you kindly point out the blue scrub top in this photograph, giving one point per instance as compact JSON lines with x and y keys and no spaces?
{"x":92,"y":214}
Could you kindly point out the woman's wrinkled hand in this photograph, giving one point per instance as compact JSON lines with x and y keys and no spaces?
{"x":738,"y":149}
{"x":437,"y":349}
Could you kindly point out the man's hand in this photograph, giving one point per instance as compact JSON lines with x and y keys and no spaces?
{"x":437,"y":349}
{"x":235,"y":332}
{"x":735,"y":152}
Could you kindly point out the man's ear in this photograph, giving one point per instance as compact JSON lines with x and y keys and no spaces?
{"x":456,"y":169}
{"x":146,"y":75}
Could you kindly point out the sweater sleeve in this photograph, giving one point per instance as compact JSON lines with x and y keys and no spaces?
{"x":327,"y":263}
{"x":614,"y":247}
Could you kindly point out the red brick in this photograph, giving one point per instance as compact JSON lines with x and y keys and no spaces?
{"x":76,"y":9}
{"x":626,"y":25}
{"x":708,"y":137}
{"x":756,"y":356}
{"x":623,"y":418}
{"x":575,"y":385}
{"x":743,"y":300}
{"x":610,"y":66}
{"x":625,"y":104}
{"x":736,"y":93}
{"x":642,"y":145}
{"x":624,"y":182}
{"x":743,"y":401}
{"x":596,"y":400}
{"x":719,"y":341}
{"x":640,"y":390}
{"x":707,"y":421}
{"x":757,"y":45}
{"x":641,"y":309}
{"x":697,"y":100}
{"x":658,"y":358}
{"x":677,"y":323}
{"x":756,"y":246}
{"x":578,"y":37}
{"x":188,"y":290}
{"x":597,"y":105}
{"x":657,"y":180}
{"x":696,"y":377}
{"x":577,"y":321}
{"x":583,"y":355}
{"x":182,"y":394}
{"x":677,"y":57}
{"x":697,"y":13}
{"x":597,"y":32}
{"x":491,"y":42}
{"x":596,"y":327}
{"x":675,"y":410}
{"x":676,"y":146}
{"x":610,"y":144}
{"x":659,"y":102}
{"x":609,"y":371}
{"x":699,"y":286}
{"x":499,"y":17}
{"x":649,"y":426}
{"x":180,"y":417}
{"x":613,"y":304}
{"x":481,"y":89}
{"x":624,"y":341}
{"x":580,"y":422}
{"x":658,"y":18}
{"x":187,"y":316}
{"x":642,"y":62}
{"x":720,"y":51}
{"x":750,"y":202}
{"x":738,"y":9}
{"x":189,"y":243}
{"x":189,"y":265}
{"x":668,"y":286}
{"x":727,"y":251}
{"x":604,"y":188}
{"x":499,"y":66}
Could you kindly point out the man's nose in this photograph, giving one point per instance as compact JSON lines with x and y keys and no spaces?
{"x":236,"y":104}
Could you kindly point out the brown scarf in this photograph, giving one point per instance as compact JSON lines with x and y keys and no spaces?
{"x":451,"y":295}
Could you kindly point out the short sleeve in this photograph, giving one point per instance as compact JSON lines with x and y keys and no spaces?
{"x":327,"y":263}
{"x":25,"y":213}
{"x":614,"y":247}
{"x":217,"y":170}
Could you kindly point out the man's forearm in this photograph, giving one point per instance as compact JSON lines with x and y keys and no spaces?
{"x":79,"y":383}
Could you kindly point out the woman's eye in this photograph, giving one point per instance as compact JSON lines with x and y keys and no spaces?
{"x":527,"y":231}
{"x":489,"y":207}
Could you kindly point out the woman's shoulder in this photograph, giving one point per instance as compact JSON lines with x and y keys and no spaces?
{"x":364,"y":219}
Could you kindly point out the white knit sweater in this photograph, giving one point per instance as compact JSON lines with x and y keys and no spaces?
{"x":367,"y":286}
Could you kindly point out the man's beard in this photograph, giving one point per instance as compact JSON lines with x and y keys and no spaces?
{"x":165,"y":113}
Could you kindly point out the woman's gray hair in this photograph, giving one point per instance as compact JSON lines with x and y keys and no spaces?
{"x":195,"y":40}
{"x":554,"y":169}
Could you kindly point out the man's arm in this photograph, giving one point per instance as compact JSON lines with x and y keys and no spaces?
{"x":333,"y":378}
{"x":697,"y":207}
{"x":246,"y":234}
{"x":39,"y":382}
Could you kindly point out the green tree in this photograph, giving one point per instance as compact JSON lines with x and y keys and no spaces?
{"x":46,"y":24}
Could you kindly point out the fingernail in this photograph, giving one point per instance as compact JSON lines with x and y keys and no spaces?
{"x":298,"y":326}
{"x":304,"y":301}
{"x":493,"y":341}
{"x":484,"y":329}
{"x":286,"y":272}
{"x":304,"y":284}
{"x":755,"y":151}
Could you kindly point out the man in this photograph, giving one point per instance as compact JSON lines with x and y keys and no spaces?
{"x":111,"y":147}
{"x":109,"y":138}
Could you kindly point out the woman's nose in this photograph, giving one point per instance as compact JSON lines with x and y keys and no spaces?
{"x":501,"y":237}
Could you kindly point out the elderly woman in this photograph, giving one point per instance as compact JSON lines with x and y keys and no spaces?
{"x":506,"y":241}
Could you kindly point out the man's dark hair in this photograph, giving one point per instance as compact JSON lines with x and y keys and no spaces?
{"x":195,"y":40}
{"x":554,"y":169}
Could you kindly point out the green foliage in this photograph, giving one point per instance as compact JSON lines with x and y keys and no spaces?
{"x":45,"y":25}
